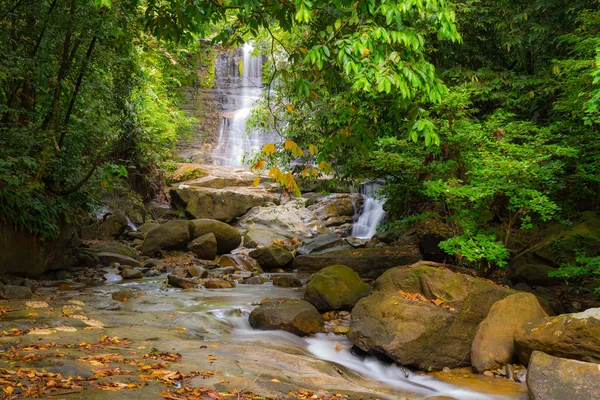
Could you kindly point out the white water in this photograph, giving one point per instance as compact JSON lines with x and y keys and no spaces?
{"x":372,"y":212}
{"x":240,"y":93}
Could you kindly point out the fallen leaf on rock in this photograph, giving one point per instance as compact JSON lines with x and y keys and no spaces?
{"x":76,"y":302}
{"x":81,"y":317}
{"x":66,"y":328}
{"x":40,"y":331}
{"x":32,"y":314}
{"x":214,"y":345}
{"x":93,"y":323}
{"x":36,"y":304}
{"x":275,"y":380}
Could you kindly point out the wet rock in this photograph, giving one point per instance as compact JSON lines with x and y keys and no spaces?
{"x":336,"y":209}
{"x":228,"y":238}
{"x":133,"y":235}
{"x":355,"y":242}
{"x":336,"y":287}
{"x":116,"y":248}
{"x":323,"y":242}
{"x":90,"y":232}
{"x":132,"y":273}
{"x":171,"y":235}
{"x":182,"y":283}
{"x":296,"y":316}
{"x":493,"y":344}
{"x":11,"y":292}
{"x":553,"y":378}
{"x":122,"y":295}
{"x":256,"y":237}
{"x":223,"y":204}
{"x":154,"y":263}
{"x":430,"y":334}
{"x":272,"y":256}
{"x":575,"y":336}
{"x":240,"y":262}
{"x":253,"y":280}
{"x":107,"y":259}
{"x":151,"y":273}
{"x":441,"y":398}
{"x":287,"y":281}
{"x":113,"y":226}
{"x":368,"y":263}
{"x":198,"y":271}
{"x":204,"y":247}
{"x":63,"y":274}
{"x":31,"y":284}
{"x":147,"y":227}
{"x":217,"y":284}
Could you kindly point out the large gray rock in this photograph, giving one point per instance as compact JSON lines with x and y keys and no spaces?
{"x":493,"y":345}
{"x":11,"y":292}
{"x":326,"y":241}
{"x":228,"y":238}
{"x":223,"y":204}
{"x":292,"y":315}
{"x":257,"y":237}
{"x":108,"y":258}
{"x":171,"y":235}
{"x":204,"y":247}
{"x":575,"y":336}
{"x":423,"y":316}
{"x":336,"y":287}
{"x":368,"y":263}
{"x":113,"y":226}
{"x":240,"y":262}
{"x":272,"y":256}
{"x":553,"y":378}
{"x":116,"y":248}
{"x":336,"y":209}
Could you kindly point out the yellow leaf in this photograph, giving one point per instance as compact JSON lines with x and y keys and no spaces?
{"x":325,"y":166}
{"x":275,"y":380}
{"x":366,"y":52}
{"x":314,"y":94}
{"x":260,"y":164}
{"x":289,"y":107}
{"x":214,"y":345}
{"x":268,"y":148}
{"x":531,"y":94}
{"x":180,"y":329}
{"x":275,"y":173}
{"x":256,"y":181}
{"x":289,"y":144}
{"x":312,"y":149}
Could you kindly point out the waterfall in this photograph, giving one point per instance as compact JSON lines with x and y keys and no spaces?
{"x":372,"y":212}
{"x":238,"y":82}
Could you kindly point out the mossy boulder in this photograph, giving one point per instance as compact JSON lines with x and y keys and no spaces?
{"x":228,"y":238}
{"x":204,"y":247}
{"x":575,"y":336}
{"x":553,"y":378}
{"x":423,"y":316}
{"x":493,"y":345}
{"x":113,"y":226}
{"x":272,"y":256}
{"x":336,"y":287}
{"x":116,"y":248}
{"x":256,"y":237}
{"x":171,"y":235}
{"x":292,"y":315}
{"x":240,"y":262}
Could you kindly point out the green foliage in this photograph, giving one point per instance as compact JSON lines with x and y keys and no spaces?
{"x":586,"y":270}
{"x":476,"y":249}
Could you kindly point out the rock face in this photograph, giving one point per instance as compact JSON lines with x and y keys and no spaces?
{"x":575,"y":336}
{"x":336,"y":209}
{"x":204,"y":247}
{"x":552,"y":378}
{"x":171,"y":235}
{"x":113,"y":226}
{"x":116,"y":248}
{"x":291,"y":219}
{"x":240,"y":262}
{"x":228,"y":238}
{"x":336,"y":287}
{"x":224,"y":204}
{"x":108,"y":258}
{"x":256,"y":237}
{"x":10,"y":292}
{"x":421,"y":333}
{"x":368,"y":263}
{"x":24,"y":254}
{"x":287,"y":281}
{"x":325,"y":242}
{"x":217,"y":284}
{"x":296,"y":316}
{"x":493,"y":345}
{"x":272,"y":256}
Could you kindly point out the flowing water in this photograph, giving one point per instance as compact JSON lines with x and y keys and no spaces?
{"x":372,"y":213}
{"x":238,"y":84}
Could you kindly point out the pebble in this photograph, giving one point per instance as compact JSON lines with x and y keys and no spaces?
{"x":122,"y":295}
{"x":488,"y":373}
{"x":254,"y":280}
{"x":132,"y":273}
{"x":521,"y":376}
{"x":217,"y":284}
{"x":446,"y":370}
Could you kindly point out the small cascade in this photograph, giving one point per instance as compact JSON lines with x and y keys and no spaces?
{"x":238,"y":82}
{"x":372,"y":213}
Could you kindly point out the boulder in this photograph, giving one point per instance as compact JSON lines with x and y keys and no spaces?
{"x":132,"y":273}
{"x":116,"y":248}
{"x":147,"y":227}
{"x":197,"y":271}
{"x":171,"y":235}
{"x":217,"y":284}
{"x":204,"y":247}
{"x":368,"y":263}
{"x":89,"y":232}
{"x":287,"y":281}
{"x":11,"y":292}
{"x":336,"y":287}
{"x":225,"y":204}
{"x":253,"y":280}
{"x":182,"y":283}
{"x":108,"y":258}
{"x":272,"y":256}
{"x":113,"y":226}
{"x":575,"y":336}
{"x":292,"y":315}
{"x":493,"y":345}
{"x":228,"y":238}
{"x":326,"y":241}
{"x":553,"y":378}
{"x":291,"y":219}
{"x":256,"y":237}
{"x":423,"y":316}
{"x":122,"y":295}
{"x":336,"y":209}
{"x":240,"y":262}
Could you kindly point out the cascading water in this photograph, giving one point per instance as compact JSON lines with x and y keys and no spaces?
{"x":372,"y":212}
{"x":238,"y":83}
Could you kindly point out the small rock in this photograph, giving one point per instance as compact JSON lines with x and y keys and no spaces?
{"x":217,"y":284}
{"x":152,"y":273}
{"x":132,"y":273}
{"x":446,"y":370}
{"x":30,"y":283}
{"x":287,"y":281}
{"x":341,"y":329}
{"x":198,"y":271}
{"x":488,"y":373}
{"x":510,"y":371}
{"x":11,"y":292}
{"x":182,"y":283}
{"x":122,"y":295}
{"x":136,"y":235}
{"x":253,"y":280}
{"x":521,"y":376}
{"x":62,"y":275}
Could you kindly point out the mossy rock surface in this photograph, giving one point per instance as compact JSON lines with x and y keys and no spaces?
{"x":292,"y":315}
{"x":171,"y":235}
{"x":228,"y":238}
{"x":336,"y":287}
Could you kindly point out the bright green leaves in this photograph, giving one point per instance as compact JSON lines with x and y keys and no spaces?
{"x":303,"y":11}
{"x":103,"y":3}
{"x":424,"y":128}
